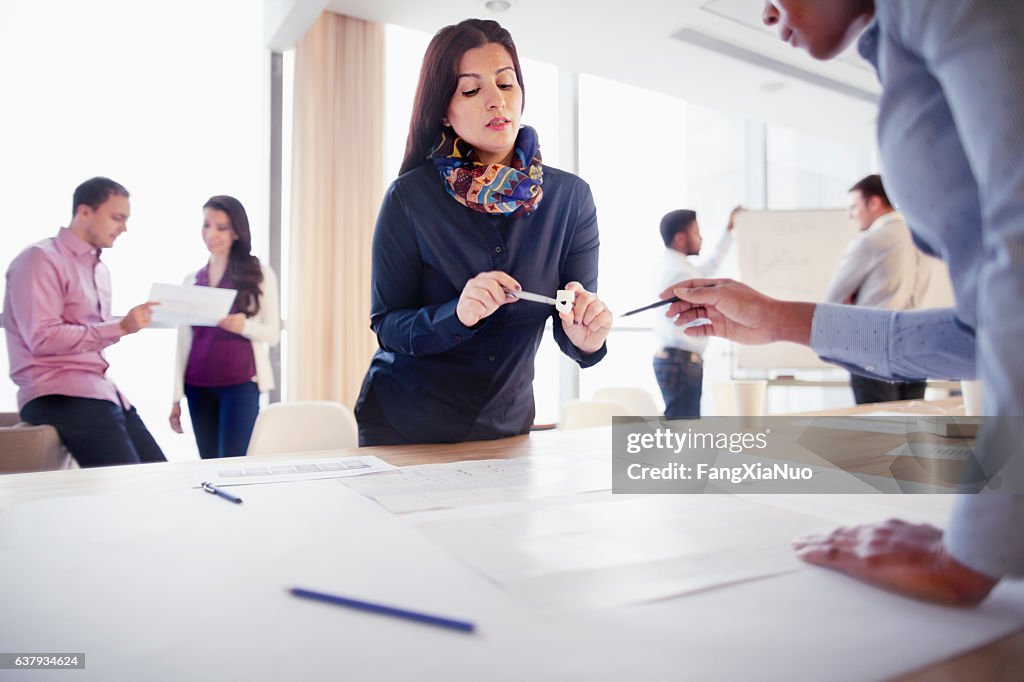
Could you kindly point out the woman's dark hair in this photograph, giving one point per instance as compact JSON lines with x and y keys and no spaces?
{"x":243,"y":267}
{"x":439,"y":76}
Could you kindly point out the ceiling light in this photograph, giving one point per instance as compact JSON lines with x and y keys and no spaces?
{"x":497,"y":5}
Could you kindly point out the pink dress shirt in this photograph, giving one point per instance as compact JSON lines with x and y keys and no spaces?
{"x":57,"y":320}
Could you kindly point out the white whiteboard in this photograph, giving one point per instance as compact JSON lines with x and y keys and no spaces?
{"x":792,"y":255}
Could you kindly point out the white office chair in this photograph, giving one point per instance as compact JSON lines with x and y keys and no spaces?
{"x":636,"y":399}
{"x":303,"y":426}
{"x":724,"y":404}
{"x":582,"y":414}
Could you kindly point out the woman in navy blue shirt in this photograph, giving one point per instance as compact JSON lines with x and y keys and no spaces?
{"x":473,"y":218}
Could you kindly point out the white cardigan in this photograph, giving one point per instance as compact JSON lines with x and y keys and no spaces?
{"x":264,"y":330}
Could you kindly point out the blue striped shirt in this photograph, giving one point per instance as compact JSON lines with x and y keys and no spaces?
{"x":951,"y":134}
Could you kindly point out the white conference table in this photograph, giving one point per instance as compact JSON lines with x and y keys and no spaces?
{"x":1003,"y":659}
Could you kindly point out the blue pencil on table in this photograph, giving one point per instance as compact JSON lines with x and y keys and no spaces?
{"x":214,"y":490}
{"x":440,"y":621}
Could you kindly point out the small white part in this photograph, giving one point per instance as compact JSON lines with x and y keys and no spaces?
{"x":699,"y":322}
{"x":564,"y":300}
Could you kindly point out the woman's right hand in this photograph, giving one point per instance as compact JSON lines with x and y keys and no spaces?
{"x":484,"y":294}
{"x":175,"y":418}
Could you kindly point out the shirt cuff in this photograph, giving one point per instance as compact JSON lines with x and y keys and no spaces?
{"x":448,"y":326}
{"x":591,"y":359}
{"x":984,"y":533}
{"x":110,"y":332}
{"x":582,"y":359}
{"x":852,"y":337}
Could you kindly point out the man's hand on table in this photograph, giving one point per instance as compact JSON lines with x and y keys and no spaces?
{"x":905,"y":558}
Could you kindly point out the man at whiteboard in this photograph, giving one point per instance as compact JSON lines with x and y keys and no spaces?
{"x":678,"y":364}
{"x":881,"y":268}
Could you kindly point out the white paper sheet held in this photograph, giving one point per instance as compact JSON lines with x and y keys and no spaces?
{"x":190,"y":305}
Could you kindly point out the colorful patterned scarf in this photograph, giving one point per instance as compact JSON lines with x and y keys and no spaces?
{"x":491,"y":188}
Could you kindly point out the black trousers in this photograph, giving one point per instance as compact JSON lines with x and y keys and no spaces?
{"x":866,"y":390}
{"x":96,"y":432}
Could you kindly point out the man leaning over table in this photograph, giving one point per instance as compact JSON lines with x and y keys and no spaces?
{"x":951,"y":135}
{"x":57,"y":320}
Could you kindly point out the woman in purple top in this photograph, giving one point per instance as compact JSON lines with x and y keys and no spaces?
{"x":222,"y":370}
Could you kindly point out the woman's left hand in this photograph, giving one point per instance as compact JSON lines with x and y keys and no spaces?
{"x":590,"y":321}
{"x":233,"y":323}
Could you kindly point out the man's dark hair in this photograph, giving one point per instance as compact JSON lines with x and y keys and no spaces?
{"x":94,"y":191}
{"x":872,"y":186}
{"x":675,"y":222}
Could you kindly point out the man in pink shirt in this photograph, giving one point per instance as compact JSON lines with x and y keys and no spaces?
{"x":57,"y":319}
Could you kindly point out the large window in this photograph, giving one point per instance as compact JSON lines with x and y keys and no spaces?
{"x":806,"y":171}
{"x":169,"y":103}
{"x":645,"y":154}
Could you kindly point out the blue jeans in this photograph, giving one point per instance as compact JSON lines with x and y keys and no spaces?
{"x":96,"y":432}
{"x":223,"y":417}
{"x":680,"y":375}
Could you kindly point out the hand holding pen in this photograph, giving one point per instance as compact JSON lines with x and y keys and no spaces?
{"x":483,"y":295}
{"x":586,"y":319}
{"x":737,"y":312}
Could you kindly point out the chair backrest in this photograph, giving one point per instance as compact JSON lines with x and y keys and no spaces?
{"x":303,"y":426}
{"x":724,"y":405}
{"x":582,"y":414}
{"x":636,"y":399}
{"x":24,"y":447}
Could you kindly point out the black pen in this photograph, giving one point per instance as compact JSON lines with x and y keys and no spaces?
{"x":214,"y":490}
{"x":667,"y":301}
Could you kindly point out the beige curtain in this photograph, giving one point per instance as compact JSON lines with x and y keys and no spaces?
{"x":337,"y":150}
